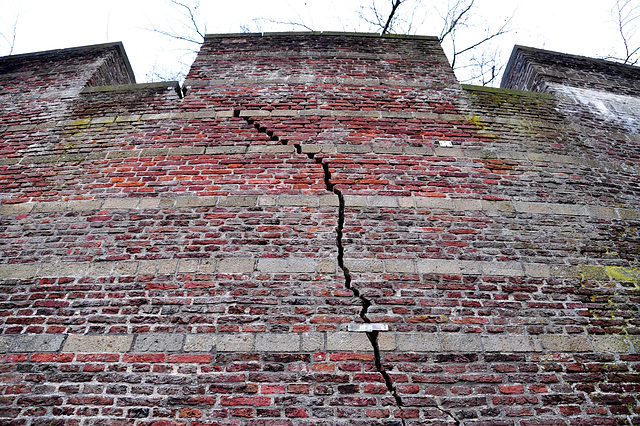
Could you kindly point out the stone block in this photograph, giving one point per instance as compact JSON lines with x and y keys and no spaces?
{"x":387,"y":341}
{"x":238,"y":201}
{"x":364,"y":265}
{"x":418,"y":342}
{"x":406,"y":202}
{"x":313,"y":342}
{"x":437,"y":266}
{"x":234,"y":342}
{"x":199,"y":342}
{"x":196,"y":201}
{"x":267,"y":200}
{"x":277,"y":342}
{"x":467,"y":204}
{"x":18,"y":271}
{"x":16,"y":208}
{"x":289,"y":265}
{"x":5,"y":341}
{"x":503,"y":269}
{"x":562,"y":343}
{"x":95,"y":344}
{"x":236,"y":265}
{"x":355,"y":201}
{"x":533,"y":208}
{"x":602,"y":212}
{"x":101,"y":269}
{"x":382,"y":201}
{"x":402,"y":266}
{"x":327,"y":266}
{"x":328,"y":200}
{"x":434,"y":203}
{"x":511,"y":343}
{"x":188,"y":265}
{"x":537,"y":270}
{"x":36,"y":343}
{"x":207,"y":266}
{"x":345,"y":341}
{"x":158,"y":342}
{"x":611,"y":343}
{"x":120,"y":203}
{"x":568,"y":209}
{"x":126,"y":268}
{"x":635,"y":341}
{"x":461,"y":343}
{"x":298,"y":200}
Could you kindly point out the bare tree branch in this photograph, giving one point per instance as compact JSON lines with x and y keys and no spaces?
{"x":293,"y":24}
{"x":394,"y":7}
{"x":11,"y":39}
{"x":625,"y":15}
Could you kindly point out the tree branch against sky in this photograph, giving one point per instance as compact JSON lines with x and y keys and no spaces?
{"x":8,"y":33}
{"x":178,"y":26}
{"x":626,"y":14}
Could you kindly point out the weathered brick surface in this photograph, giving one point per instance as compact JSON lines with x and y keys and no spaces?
{"x":211,"y":254}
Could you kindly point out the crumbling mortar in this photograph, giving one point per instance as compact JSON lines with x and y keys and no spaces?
{"x":366,"y":303}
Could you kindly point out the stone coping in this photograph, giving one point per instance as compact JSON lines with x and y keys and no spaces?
{"x":316,"y":341}
{"x":326,"y":200}
{"x":303,"y":265}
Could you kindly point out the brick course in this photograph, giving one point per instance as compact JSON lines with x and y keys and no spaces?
{"x":287,"y":240}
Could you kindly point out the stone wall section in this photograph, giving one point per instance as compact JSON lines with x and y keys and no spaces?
{"x":317,"y":229}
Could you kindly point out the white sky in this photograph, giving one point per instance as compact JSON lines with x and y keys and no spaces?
{"x":584,"y":27}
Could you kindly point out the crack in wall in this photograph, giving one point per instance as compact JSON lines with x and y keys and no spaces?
{"x":366,"y":303}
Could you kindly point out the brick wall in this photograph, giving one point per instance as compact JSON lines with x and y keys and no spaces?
{"x":317,"y":229}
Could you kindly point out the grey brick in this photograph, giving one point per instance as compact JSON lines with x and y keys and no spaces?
{"x":199,"y":342}
{"x":36,"y":343}
{"x":537,"y":270}
{"x":382,"y":201}
{"x":345,"y":341}
{"x":120,"y":203}
{"x":158,"y":342}
{"x":234,"y":342}
{"x":610,"y":343}
{"x":327,"y":266}
{"x":461,"y":343}
{"x":561,"y":343}
{"x":529,"y":207}
{"x":407,"y":266}
{"x":437,"y":266}
{"x":313,"y":342}
{"x":568,"y":209}
{"x":387,"y":341}
{"x":238,"y":201}
{"x":236,"y":265}
{"x":467,"y":204}
{"x":289,"y":265}
{"x":364,"y":265}
{"x":503,"y":269}
{"x":196,"y":201}
{"x":511,"y":343}
{"x":298,"y":200}
{"x":16,"y":208}
{"x":5,"y":342}
{"x":277,"y":342}
{"x":18,"y":271}
{"x":602,"y":212}
{"x":94,"y":344}
{"x":418,"y":342}
{"x":434,"y":203}
{"x":188,"y":265}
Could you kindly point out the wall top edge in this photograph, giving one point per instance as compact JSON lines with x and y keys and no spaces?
{"x":321,"y":33}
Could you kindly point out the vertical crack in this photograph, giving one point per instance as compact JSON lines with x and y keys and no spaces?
{"x":366,"y":303}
